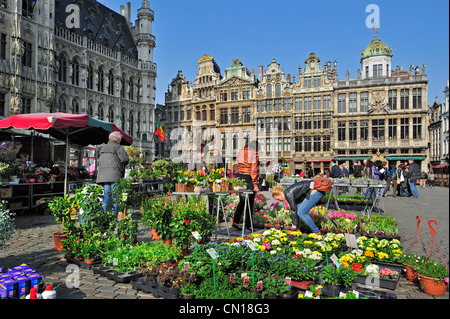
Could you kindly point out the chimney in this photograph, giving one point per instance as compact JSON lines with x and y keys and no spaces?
{"x":126,"y":12}
{"x":260,"y":75}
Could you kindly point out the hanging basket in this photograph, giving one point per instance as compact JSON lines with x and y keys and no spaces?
{"x":432,"y":286}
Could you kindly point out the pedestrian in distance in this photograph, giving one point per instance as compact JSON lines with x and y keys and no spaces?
{"x":431,"y":179}
{"x":414,"y":175}
{"x":111,"y":168}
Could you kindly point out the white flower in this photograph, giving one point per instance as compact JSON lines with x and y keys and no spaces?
{"x":275,"y":242}
{"x":273,"y":252}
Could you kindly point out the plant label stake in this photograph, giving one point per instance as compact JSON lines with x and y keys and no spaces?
{"x":212,"y":252}
{"x":253,"y":247}
{"x":197,"y":239}
{"x":350,"y":240}
{"x":326,"y":247}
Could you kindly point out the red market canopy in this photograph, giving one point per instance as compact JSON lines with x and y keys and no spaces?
{"x":80,"y":129}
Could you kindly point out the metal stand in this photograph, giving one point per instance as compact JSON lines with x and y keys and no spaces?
{"x":378,"y":197}
{"x":247,"y":206}
{"x":220,"y":204}
{"x":331,"y":193}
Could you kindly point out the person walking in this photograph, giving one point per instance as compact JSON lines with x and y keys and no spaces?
{"x":403,"y":189}
{"x":414,"y":175}
{"x":392,"y":177}
{"x":111,"y":168}
{"x":431,"y":179}
{"x":247,"y":170}
{"x":357,"y":173}
{"x":277,"y":169}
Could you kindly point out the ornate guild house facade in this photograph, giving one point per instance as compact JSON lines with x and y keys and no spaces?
{"x":103,"y":67}
{"x":307,"y":120}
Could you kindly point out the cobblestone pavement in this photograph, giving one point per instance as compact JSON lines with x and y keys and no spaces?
{"x":34,"y":246}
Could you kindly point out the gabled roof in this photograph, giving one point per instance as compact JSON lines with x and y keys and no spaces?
{"x":100,"y":23}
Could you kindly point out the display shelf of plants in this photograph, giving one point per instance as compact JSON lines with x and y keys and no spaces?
{"x":273,"y":263}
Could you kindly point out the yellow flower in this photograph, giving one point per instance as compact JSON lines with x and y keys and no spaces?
{"x":368,"y":253}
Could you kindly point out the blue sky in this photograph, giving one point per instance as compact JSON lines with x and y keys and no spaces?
{"x":255,"y":31}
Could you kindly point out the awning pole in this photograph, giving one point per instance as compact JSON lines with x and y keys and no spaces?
{"x":67,"y":159}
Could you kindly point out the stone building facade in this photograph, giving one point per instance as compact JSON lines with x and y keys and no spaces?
{"x":102,"y":66}
{"x":310,"y":119}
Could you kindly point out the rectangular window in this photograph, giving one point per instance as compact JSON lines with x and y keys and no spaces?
{"x":246,"y":94}
{"x":392,"y":99}
{"x":268,"y":105}
{"x":2,"y":104}
{"x":268,"y":145}
{"x":298,"y":123}
{"x":260,"y":106}
{"x":317,"y":143}
{"x":26,"y":106}
{"x":223,"y":116}
{"x":404,"y":99}
{"x":341,"y":103}
{"x":364,"y":101}
{"x":223,"y":96}
{"x":298,"y":103}
{"x":277,"y":105}
{"x":212,"y":115}
{"x":277,"y":123}
{"x":287,"y":144}
{"x":316,"y":122}
{"x":378,"y":129}
{"x":234,"y":94}
{"x":341,"y":131}
{"x":246,"y":114}
{"x":224,"y":139}
{"x":392,"y":129}
{"x":307,"y":82}
{"x":278,"y":144}
{"x":377,"y":70}
{"x":287,"y":123}
{"x":417,"y":98}
{"x":352,"y":130}
{"x":188,"y":115}
{"x":352,"y":102}
{"x":417,"y":127}
{"x":317,"y":81}
{"x":326,"y":101}
{"x":268,"y":124}
{"x":317,"y":102}
{"x":27,"y":54}
{"x":404,"y":128}
{"x":364,"y":129}
{"x":260,"y":124}
{"x":307,"y":103}
{"x":326,"y":121}
{"x":2,"y":46}
{"x":307,"y":123}
{"x":234,"y":141}
{"x":298,"y":144}
{"x":287,"y":104}
{"x":326,"y":143}
{"x":307,"y":143}
{"x":234,"y":115}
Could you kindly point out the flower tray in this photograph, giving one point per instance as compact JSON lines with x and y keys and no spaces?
{"x":304,"y":285}
{"x":81,"y":263}
{"x":384,"y":283}
{"x":118,"y":277}
{"x":143,"y":285}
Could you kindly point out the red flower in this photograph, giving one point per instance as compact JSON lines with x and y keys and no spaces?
{"x":187,"y":221}
{"x":357,"y":267}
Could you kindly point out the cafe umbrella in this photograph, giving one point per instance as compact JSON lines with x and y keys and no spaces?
{"x":79,"y":129}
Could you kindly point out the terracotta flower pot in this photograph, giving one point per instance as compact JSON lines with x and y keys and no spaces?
{"x":410,"y":273}
{"x":59,"y":237}
{"x":431,"y":286}
{"x":155,"y":235}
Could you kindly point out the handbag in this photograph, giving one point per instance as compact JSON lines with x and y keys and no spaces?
{"x":322,"y":184}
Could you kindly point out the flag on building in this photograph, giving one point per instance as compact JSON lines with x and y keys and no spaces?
{"x":159,"y":132}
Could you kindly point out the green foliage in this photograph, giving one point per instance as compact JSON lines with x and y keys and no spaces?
{"x":7,"y":226}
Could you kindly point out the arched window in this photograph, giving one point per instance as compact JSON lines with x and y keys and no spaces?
{"x":91,"y":109}
{"x":75,"y":72}
{"x":101,"y":112}
{"x":101,"y":79}
{"x":131,"y":89}
{"x":75,"y":106}
{"x":123,"y":120}
{"x":62,"y":72}
{"x":62,"y":104}
{"x":278,"y":90}
{"x":90,"y":78}
{"x":111,"y":82}
{"x":269,"y":90}
{"x":111,"y":114}
{"x":131,"y":127}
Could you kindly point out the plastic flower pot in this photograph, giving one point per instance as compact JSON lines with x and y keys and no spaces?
{"x":432,"y":286}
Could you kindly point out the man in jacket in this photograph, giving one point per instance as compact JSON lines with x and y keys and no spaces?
{"x":414,"y":175}
{"x":357,"y":173}
{"x":111,"y":168}
{"x":335,"y":170}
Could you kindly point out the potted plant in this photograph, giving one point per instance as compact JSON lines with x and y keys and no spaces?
{"x":433,"y":277}
{"x":412,"y":263}
{"x":64,"y":210}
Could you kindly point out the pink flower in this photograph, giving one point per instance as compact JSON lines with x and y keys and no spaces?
{"x":446,"y":280}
